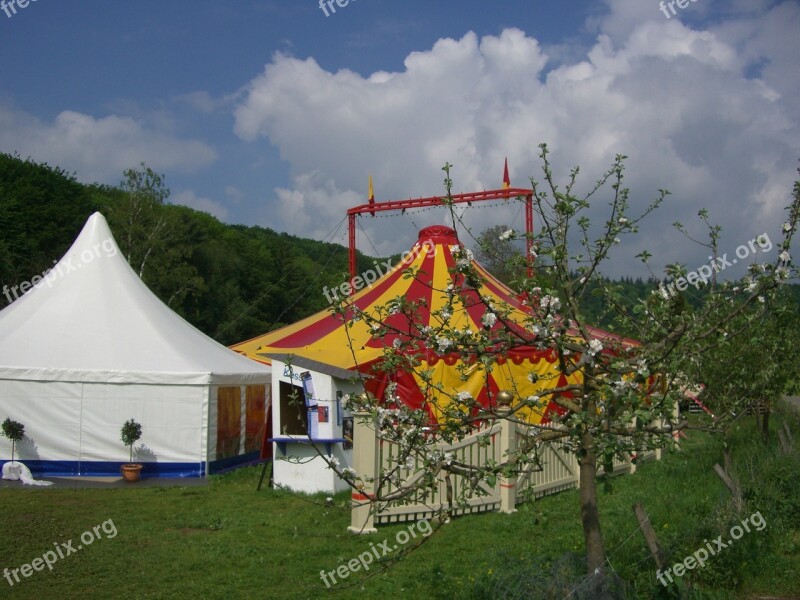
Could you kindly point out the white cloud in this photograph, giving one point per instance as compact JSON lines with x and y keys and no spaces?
{"x":207,"y":205}
{"x":314,"y":205}
{"x":98,"y":149}
{"x":682,"y":103}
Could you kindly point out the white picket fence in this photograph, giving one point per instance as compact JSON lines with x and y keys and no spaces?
{"x":373,"y":455}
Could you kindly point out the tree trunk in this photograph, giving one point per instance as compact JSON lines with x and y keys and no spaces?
{"x":595,"y":552}
{"x":765,"y":422}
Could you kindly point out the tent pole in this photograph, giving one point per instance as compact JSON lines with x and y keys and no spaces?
{"x":351,"y":217}
{"x":267,"y":463}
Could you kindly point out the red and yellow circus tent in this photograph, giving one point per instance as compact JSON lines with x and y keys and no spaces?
{"x":323,"y":336}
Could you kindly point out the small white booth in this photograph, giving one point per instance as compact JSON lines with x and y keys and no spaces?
{"x":308,"y":419}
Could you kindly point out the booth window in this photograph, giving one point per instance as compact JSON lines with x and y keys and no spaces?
{"x":293,"y":410}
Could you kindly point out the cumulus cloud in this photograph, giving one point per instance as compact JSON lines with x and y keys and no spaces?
{"x":98,"y":149}
{"x":705,"y":112}
{"x":207,"y":205}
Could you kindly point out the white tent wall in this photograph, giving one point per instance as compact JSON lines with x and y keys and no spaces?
{"x":91,"y":346}
{"x":211,"y":430}
{"x":172,"y":429}
{"x":51,"y":414}
{"x":74,"y":428}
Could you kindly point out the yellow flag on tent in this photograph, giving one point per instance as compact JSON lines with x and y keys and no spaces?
{"x":371,"y":195}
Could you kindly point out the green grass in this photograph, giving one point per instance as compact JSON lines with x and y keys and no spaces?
{"x":229,"y":541}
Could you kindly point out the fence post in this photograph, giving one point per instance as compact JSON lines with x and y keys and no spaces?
{"x":630,"y":455}
{"x":365,"y":462}
{"x":676,"y":417}
{"x":508,"y":446}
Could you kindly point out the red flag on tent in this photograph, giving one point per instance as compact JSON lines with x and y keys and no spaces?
{"x":506,"y":179}
{"x":371,"y":195}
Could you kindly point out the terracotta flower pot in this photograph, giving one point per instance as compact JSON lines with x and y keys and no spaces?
{"x":131,"y":472}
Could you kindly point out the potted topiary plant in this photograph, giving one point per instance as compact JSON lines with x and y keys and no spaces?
{"x":14,"y":431}
{"x":131,"y":432}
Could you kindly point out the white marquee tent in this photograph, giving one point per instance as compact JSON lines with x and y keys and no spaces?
{"x":90,"y":346}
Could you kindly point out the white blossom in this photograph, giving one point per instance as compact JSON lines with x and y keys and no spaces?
{"x":464,"y":396}
{"x":787,"y":227}
{"x":622,"y":220}
{"x":506,"y":234}
{"x":595,"y":346}
{"x":348,"y":472}
{"x":489,"y":319}
{"x":550,"y":302}
{"x":333,"y":462}
{"x":443,"y":343}
{"x":785,"y":256}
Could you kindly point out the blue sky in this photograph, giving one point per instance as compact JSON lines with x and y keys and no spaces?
{"x":270,"y":113}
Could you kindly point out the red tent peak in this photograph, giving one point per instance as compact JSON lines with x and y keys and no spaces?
{"x":438,"y":234}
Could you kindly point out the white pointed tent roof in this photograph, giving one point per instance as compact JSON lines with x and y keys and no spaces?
{"x":93,"y":320}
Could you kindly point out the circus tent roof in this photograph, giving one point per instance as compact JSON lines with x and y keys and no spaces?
{"x":324,"y":338}
{"x":422,"y":277}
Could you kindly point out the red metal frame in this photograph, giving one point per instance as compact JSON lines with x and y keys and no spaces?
{"x":503,"y":194}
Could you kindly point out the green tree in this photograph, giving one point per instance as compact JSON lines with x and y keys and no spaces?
{"x":618,"y":398}
{"x":157,"y":240}
{"x":504,"y":260}
{"x":42,"y":210}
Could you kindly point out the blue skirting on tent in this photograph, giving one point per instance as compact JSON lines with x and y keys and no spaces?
{"x":71,"y":468}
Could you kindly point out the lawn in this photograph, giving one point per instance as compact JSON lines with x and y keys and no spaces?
{"x":229,"y":541}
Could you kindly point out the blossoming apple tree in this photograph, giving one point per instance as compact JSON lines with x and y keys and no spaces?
{"x":620,"y":398}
